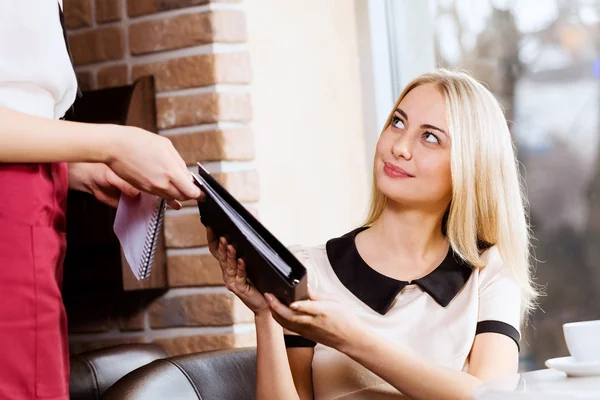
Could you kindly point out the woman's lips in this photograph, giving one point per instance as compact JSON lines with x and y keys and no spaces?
{"x":395,"y":172}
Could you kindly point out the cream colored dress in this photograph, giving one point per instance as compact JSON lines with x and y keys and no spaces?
{"x":437,"y":316}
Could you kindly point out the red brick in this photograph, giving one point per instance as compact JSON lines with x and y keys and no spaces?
{"x":97,"y":45}
{"x":233,"y":68}
{"x":206,"y":309}
{"x":140,"y":7}
{"x":197,"y":71}
{"x":175,"y":111}
{"x":184,"y":230}
{"x":132,"y":322}
{"x":202,"y":343}
{"x":243,"y":185}
{"x":194,"y":270}
{"x":77,"y":13}
{"x":112,"y":76}
{"x":215,"y":145}
{"x":227,"y":26}
{"x":108,"y":11}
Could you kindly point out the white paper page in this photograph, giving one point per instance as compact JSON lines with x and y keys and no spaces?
{"x":132,"y":222}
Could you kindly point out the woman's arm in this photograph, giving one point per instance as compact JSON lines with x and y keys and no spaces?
{"x":274,"y":373}
{"x":493,"y":355}
{"x":145,"y":160}
{"x":280,"y":374}
{"x":301,"y":366}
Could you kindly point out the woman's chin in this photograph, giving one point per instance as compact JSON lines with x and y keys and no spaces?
{"x":405,"y":196}
{"x":393,"y":189}
{"x":396,"y":194}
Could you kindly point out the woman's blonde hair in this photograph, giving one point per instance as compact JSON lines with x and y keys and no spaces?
{"x":488,"y":200}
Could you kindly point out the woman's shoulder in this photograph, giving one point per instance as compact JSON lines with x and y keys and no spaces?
{"x":307,"y":253}
{"x":494,"y":266}
{"x":491,"y":256}
{"x":314,"y":259}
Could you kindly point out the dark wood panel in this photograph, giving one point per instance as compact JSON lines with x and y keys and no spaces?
{"x":94,"y":259}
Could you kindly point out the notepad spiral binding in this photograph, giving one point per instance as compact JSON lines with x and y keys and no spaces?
{"x":151,"y":242}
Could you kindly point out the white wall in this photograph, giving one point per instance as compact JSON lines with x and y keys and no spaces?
{"x":307,"y":117}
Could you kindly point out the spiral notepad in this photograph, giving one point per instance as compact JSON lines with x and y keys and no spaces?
{"x":138,"y":225}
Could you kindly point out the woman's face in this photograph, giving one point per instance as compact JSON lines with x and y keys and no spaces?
{"x":412,"y":161}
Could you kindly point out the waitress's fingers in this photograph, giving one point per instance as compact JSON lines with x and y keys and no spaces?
{"x":174,"y":204}
{"x":183,"y":180}
{"x":183,"y":183}
{"x":119,"y":183}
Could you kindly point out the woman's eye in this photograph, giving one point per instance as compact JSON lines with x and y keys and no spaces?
{"x":397,"y":122}
{"x":431,"y":138}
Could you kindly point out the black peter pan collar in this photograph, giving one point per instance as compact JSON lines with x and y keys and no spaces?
{"x":379,"y":291}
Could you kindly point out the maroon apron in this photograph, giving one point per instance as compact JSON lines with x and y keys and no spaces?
{"x":34,"y":361}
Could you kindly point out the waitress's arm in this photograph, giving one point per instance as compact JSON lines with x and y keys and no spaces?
{"x":27,"y":138}
{"x":147,"y":161}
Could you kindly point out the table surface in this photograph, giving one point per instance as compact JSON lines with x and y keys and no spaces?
{"x":547,"y":384}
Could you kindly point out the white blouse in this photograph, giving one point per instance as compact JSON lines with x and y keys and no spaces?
{"x":36,"y":74}
{"x":436,"y":317}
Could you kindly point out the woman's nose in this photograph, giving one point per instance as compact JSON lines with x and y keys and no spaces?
{"x":402,"y":147}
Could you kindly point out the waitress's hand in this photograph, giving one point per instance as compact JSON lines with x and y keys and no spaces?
{"x":149,"y":162}
{"x":234,"y":274}
{"x":99,"y":180}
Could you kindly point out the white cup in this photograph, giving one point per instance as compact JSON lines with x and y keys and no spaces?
{"x":583,"y":340}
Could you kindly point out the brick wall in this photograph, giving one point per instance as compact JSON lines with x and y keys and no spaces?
{"x":196,"y":51}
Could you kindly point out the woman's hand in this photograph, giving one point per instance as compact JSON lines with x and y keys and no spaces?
{"x":150,"y":163}
{"x":234,"y":274}
{"x":320,"y":319}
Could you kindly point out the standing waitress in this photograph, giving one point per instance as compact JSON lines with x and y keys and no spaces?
{"x":41,"y":157}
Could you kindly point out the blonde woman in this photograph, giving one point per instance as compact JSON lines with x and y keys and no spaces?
{"x":426,"y":300}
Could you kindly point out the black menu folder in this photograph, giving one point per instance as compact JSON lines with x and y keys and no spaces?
{"x":270,"y":266}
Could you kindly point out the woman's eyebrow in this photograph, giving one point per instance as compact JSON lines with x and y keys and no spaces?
{"x":402,"y":113}
{"x":427,"y":126}
{"x":424,"y":126}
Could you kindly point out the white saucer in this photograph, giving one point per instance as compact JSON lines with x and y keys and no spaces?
{"x":571,"y":367}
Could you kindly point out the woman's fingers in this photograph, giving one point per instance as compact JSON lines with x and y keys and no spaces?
{"x":222,"y":251}
{"x":231,"y":262}
{"x":278,"y":307}
{"x":213,"y":242}
{"x":287,"y":314}
{"x":241,"y":276}
{"x":119,"y":183}
{"x":307,"y":307}
{"x":233,"y":269}
{"x":174,"y":204}
{"x":296,"y":324}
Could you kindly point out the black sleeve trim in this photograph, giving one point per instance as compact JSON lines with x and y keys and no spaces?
{"x":292,"y":341}
{"x":499,"y":327}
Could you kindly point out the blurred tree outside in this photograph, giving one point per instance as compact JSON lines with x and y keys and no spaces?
{"x":540,"y":59}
